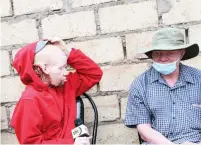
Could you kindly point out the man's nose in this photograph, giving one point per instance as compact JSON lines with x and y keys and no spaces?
{"x":163,"y":58}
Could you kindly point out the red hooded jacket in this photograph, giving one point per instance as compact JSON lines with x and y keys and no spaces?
{"x":45,"y":115}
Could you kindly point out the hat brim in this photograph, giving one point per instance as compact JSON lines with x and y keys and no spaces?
{"x":192,"y":50}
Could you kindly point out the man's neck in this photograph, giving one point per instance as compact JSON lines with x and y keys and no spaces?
{"x":172,"y":78}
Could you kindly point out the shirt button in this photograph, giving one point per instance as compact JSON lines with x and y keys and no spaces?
{"x":165,"y":135}
{"x":173,"y":117}
{"x":173,"y":102}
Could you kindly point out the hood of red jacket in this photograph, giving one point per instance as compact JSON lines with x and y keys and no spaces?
{"x":23,"y":63}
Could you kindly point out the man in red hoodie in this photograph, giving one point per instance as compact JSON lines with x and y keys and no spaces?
{"x":46,"y":111}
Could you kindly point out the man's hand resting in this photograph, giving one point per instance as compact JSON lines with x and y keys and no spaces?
{"x":82,"y":141}
{"x":190,"y":143}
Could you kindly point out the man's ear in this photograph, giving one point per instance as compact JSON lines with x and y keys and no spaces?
{"x":43,"y":67}
{"x":182,"y":53}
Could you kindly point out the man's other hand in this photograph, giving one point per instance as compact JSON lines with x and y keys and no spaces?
{"x":82,"y":141}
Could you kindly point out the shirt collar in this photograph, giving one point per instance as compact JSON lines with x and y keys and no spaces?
{"x":185,"y":72}
{"x":185,"y":75}
{"x":155,"y":75}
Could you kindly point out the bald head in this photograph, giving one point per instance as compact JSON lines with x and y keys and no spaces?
{"x":49,"y":55}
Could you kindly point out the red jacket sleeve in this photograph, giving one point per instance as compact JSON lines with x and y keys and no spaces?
{"x":27,"y":122}
{"x":87,"y":74}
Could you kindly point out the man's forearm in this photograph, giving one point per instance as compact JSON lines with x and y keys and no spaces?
{"x":152,"y":136}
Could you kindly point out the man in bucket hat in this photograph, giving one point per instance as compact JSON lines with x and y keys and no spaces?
{"x":164,"y":102}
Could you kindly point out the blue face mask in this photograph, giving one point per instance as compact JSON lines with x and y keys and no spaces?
{"x":165,"y":69}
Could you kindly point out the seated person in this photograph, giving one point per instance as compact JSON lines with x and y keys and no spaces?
{"x":164,"y":102}
{"x":46,"y":111}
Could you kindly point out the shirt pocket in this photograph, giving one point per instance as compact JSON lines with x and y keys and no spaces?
{"x":195,"y":117}
{"x":196,"y":99}
{"x":194,"y":93}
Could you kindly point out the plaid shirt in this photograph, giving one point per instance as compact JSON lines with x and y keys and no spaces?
{"x":169,"y":110}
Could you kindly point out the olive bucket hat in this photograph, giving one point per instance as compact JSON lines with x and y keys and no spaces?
{"x":172,"y":39}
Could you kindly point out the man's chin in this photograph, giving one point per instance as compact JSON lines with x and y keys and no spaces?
{"x":61,"y":84}
{"x":58,"y":85}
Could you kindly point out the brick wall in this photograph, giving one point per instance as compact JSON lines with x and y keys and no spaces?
{"x":111,"y":32}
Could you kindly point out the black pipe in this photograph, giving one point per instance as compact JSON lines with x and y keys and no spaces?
{"x":95,"y":125}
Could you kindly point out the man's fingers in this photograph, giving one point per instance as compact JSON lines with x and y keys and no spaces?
{"x":57,"y":40}
{"x":197,"y":105}
{"x":54,"y":39}
{"x":90,"y":137}
{"x":82,"y":141}
{"x":189,"y":143}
